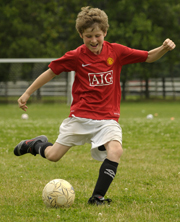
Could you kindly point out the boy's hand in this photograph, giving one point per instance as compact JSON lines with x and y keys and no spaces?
{"x":22,"y":101}
{"x":169,"y":45}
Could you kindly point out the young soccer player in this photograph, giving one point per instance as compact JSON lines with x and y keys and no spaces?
{"x":96,"y":91}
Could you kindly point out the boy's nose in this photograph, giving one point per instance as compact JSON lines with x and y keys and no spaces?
{"x":93,"y":39}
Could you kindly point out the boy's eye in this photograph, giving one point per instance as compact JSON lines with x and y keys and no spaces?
{"x":89,"y":36}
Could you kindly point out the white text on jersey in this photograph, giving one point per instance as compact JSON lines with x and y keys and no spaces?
{"x":101,"y":79}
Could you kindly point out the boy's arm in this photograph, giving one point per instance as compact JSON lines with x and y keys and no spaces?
{"x":40,"y":81}
{"x":157,"y":53}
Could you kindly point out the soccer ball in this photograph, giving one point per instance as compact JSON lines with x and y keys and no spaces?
{"x":149,"y":116}
{"x":58,"y":193}
{"x":24,"y":116}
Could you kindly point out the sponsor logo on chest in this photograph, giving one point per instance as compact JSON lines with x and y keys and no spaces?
{"x":101,"y":79}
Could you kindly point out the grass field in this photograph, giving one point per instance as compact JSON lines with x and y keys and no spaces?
{"x":145,"y":189}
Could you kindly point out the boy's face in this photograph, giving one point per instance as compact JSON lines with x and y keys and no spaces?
{"x":93,"y":38}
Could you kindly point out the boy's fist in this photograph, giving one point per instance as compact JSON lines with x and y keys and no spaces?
{"x":22,"y":101}
{"x":168,"y":44}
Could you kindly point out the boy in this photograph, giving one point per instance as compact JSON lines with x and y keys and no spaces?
{"x":95,"y":109}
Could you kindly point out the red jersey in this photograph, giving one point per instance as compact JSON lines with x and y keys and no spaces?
{"x":96,"y":89}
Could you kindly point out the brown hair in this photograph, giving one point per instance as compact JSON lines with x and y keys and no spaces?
{"x":88,"y":17}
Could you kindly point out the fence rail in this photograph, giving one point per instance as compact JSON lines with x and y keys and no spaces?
{"x":29,"y":68}
{"x":156,"y":87}
{"x":61,"y":87}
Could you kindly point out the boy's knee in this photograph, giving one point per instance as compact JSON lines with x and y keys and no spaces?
{"x":118,"y":150}
{"x":114,"y":150}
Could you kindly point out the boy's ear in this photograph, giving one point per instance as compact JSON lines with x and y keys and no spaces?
{"x":80,"y":35}
{"x":105,"y":33}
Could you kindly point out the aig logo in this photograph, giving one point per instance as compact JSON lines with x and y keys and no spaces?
{"x":101,"y":79}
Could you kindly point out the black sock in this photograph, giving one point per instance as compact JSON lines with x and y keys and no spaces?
{"x":107,"y":173}
{"x":40,"y":147}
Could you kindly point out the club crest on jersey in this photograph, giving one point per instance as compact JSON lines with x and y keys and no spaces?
{"x":101,"y":79}
{"x":110,"y":61}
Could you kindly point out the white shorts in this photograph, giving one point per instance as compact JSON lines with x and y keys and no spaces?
{"x":77,"y":131}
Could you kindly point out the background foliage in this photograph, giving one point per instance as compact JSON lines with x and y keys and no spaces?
{"x":46,"y":29}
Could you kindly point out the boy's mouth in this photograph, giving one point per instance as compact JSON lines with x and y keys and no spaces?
{"x":94,"y":46}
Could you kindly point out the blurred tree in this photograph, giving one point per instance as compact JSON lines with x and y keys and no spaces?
{"x":46,"y":28}
{"x":145,"y":25}
{"x":37,"y":29}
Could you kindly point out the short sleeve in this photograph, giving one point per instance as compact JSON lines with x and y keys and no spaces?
{"x":66,"y":63}
{"x":128,"y":55}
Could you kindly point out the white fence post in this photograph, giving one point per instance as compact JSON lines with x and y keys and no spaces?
{"x":69,"y":88}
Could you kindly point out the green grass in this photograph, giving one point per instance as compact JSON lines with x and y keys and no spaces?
{"x":145,"y":189}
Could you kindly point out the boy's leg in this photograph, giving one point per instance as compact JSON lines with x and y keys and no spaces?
{"x":40,"y":145}
{"x":107,"y":172}
{"x":56,"y":152}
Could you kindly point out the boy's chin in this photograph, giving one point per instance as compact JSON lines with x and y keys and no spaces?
{"x":95,"y":50}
